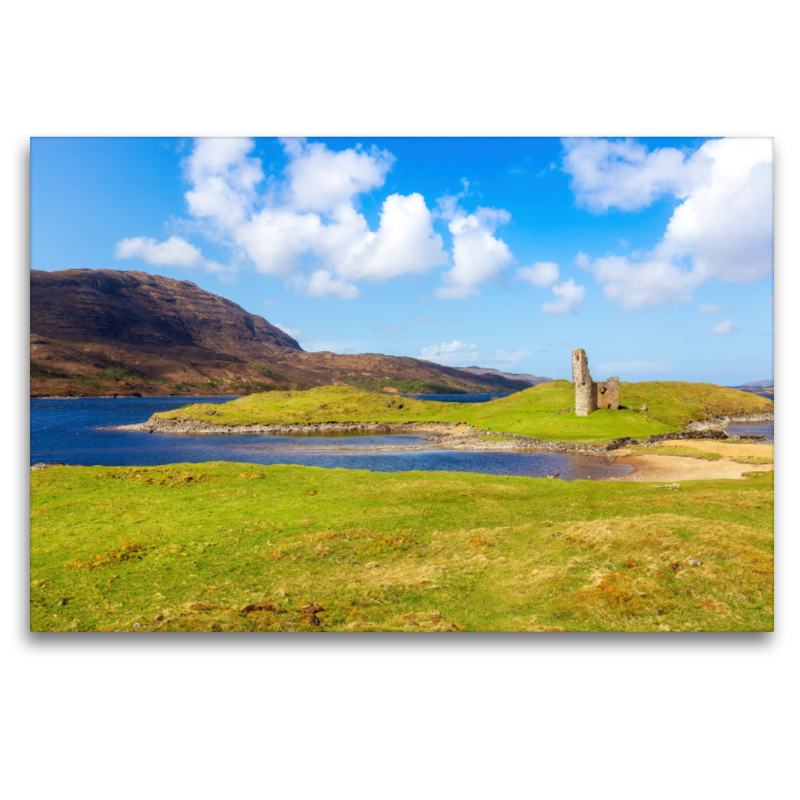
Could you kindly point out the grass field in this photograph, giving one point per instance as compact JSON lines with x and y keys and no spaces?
{"x":234,"y":547}
{"x":544,"y":411}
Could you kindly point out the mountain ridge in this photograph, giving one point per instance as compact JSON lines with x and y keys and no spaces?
{"x":117,"y":333}
{"x":533,"y":380}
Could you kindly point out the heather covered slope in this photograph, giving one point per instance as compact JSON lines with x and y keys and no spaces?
{"x":147,"y":312}
{"x":545,"y":411}
{"x":112,"y":332}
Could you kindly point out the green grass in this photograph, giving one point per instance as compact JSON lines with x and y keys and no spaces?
{"x":417,"y":386}
{"x":544,"y":411}
{"x":685,"y":452}
{"x":753,"y":460}
{"x":268,"y":371}
{"x":116,"y":371}
{"x":232,"y":547}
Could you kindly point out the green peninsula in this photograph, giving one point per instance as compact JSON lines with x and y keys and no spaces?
{"x":545,"y":411}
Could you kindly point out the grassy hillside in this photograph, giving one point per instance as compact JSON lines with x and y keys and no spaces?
{"x":229,"y":547}
{"x":544,"y":411}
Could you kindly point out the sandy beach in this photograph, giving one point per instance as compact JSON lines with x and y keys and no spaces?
{"x":677,"y":468}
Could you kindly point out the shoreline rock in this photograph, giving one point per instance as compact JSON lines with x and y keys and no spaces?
{"x":442,"y":436}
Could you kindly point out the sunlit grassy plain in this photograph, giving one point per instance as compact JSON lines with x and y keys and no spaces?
{"x":241,"y":547}
{"x":197,"y":544}
{"x":542,"y":411}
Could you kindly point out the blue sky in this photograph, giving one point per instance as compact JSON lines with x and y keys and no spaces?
{"x":655,"y":255}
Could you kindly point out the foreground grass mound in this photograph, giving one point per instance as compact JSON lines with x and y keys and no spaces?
{"x":238,"y":547}
{"x":545,"y":411}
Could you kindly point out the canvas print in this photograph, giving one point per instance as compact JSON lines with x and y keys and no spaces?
{"x":401,"y":384}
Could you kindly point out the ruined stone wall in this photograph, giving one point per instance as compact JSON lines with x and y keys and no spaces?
{"x":590,"y":395}
{"x":608,"y":393}
{"x":585,"y":391}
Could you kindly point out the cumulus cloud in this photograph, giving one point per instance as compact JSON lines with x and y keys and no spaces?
{"x":722,"y":229}
{"x":622,"y":174}
{"x":451,"y":354}
{"x":707,"y":308}
{"x":569,"y":298}
{"x":175,"y":252}
{"x":322,"y":180}
{"x":304,"y":226}
{"x":543,"y":273}
{"x":323,"y":283}
{"x":723,"y":329}
{"x":637,"y":285}
{"x":224,"y":181}
{"x":478,"y":256}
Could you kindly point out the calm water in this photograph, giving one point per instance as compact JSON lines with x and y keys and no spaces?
{"x":753,"y":429}
{"x":69,"y":431}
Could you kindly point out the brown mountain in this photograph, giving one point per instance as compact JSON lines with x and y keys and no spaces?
{"x":111,"y":332}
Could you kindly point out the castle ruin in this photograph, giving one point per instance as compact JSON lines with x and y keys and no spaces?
{"x":591,"y":395}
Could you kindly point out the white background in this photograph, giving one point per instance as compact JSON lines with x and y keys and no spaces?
{"x":552,"y":716}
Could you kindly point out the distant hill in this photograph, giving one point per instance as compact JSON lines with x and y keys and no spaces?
{"x":766,"y":388}
{"x":115,"y":332}
{"x":532,"y":380}
{"x":757,"y":385}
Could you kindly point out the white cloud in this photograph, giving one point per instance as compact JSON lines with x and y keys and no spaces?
{"x":622,"y":174}
{"x":723,"y":329}
{"x":725,"y":224}
{"x":543,"y":273}
{"x":569,"y":298}
{"x":304,"y":227}
{"x":721,"y":231}
{"x":706,"y":308}
{"x":224,"y":180}
{"x":293,"y":332}
{"x":322,"y":283}
{"x":175,"y":252}
{"x":321,"y":222}
{"x":451,"y":354}
{"x":478,"y":256}
{"x":404,"y":243}
{"x":637,"y":285}
{"x":322,"y":180}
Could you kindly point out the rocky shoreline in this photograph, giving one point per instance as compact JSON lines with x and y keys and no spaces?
{"x":449,"y":436}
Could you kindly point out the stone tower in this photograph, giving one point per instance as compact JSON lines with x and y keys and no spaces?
{"x":590,"y":395}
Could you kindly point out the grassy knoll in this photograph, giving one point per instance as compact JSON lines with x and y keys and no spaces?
{"x":544,"y":411}
{"x":239,"y":547}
